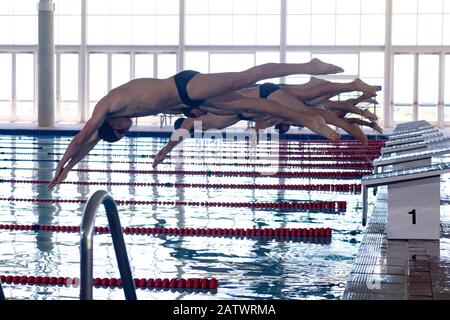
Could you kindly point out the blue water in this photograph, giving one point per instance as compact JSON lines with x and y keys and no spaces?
{"x":245,"y":268}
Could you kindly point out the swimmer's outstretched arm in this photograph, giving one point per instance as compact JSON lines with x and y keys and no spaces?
{"x":82,"y":143}
{"x":61,"y":172}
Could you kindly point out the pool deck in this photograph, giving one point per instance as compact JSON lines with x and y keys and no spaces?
{"x":399,"y":269}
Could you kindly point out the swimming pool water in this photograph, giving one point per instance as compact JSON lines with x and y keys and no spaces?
{"x":245,"y":268}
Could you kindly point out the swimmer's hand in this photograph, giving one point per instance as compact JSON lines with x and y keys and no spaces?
{"x":158,"y":159}
{"x":60,"y":176}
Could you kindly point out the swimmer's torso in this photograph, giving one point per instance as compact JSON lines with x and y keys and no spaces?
{"x":142,"y":97}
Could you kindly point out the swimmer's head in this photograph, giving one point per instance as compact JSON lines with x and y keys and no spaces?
{"x":282,"y":128}
{"x":113,"y":129}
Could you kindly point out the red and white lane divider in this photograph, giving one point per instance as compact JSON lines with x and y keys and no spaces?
{"x":318,"y":206}
{"x":143,"y":283}
{"x":309,"y":175}
{"x":267,"y":233}
{"x":353,"y":188}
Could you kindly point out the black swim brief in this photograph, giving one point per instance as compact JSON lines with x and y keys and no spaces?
{"x":181,"y":81}
{"x":266,"y":89}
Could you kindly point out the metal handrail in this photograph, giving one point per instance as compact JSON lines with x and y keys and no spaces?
{"x":87,"y":241}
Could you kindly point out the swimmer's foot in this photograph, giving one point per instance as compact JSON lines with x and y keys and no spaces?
{"x":376,"y":127}
{"x":318,"y":125}
{"x":316,"y":81}
{"x":369,"y":115}
{"x":319,"y":67}
{"x":364,"y":87}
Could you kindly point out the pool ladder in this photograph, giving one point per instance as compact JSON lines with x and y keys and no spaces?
{"x":86,"y":246}
{"x":2,"y":295}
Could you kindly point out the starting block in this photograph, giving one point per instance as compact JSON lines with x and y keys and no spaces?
{"x":413,"y":201}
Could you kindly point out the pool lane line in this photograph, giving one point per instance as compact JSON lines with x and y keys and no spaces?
{"x":352,"y":175}
{"x":226,"y":157}
{"x":352,"y":188}
{"x":313,"y":206}
{"x":279,"y":234}
{"x":231,"y":151}
{"x":350,"y":165}
{"x":189,"y":284}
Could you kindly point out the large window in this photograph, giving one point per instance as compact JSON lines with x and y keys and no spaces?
{"x":335,"y":22}
{"x":67,"y":88}
{"x":67,"y":21}
{"x":18,"y":19}
{"x":421,"y":22}
{"x":403,"y":87}
{"x":428,"y":87}
{"x":5,"y":86}
{"x":25,"y":87}
{"x":233,"y":22}
{"x":133,"y":22}
{"x":447,"y":87}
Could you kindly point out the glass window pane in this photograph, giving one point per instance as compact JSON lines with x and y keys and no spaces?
{"x":323,"y":6}
{"x":96,"y":34}
{"x":430,"y":6}
{"x":97,"y":7}
{"x":167,"y":65}
{"x":25,"y":76}
{"x":231,"y":62}
{"x":268,"y":30}
{"x":198,"y":61}
{"x":120,"y":69}
{"x":199,"y":6}
{"x":67,"y":30}
{"x":348,"y":6}
{"x":25,"y":86}
{"x":220,"y":30}
{"x":403,"y":78}
{"x":197,"y":30}
{"x":244,"y":30}
{"x":98,"y":76}
{"x":347,"y":29}
{"x":268,"y":6}
{"x":167,"y":30}
{"x":244,"y":6}
{"x":5,"y":24}
{"x":121,"y":31}
{"x":299,"y":6}
{"x":371,"y":64}
{"x":25,"y":7}
{"x":429,"y":31}
{"x":446,"y":28}
{"x":5,"y":76}
{"x":144,"y":66}
{"x":403,"y":87}
{"x":372,"y":29}
{"x":447,"y":87}
{"x":220,"y":7}
{"x":69,"y":77}
{"x":67,"y":7}
{"x":404,"y":6}
{"x":7,"y":7}
{"x":167,"y":6}
{"x":296,"y":23}
{"x":428,"y":79}
{"x":120,"y":7}
{"x":142,"y":30}
{"x":370,"y":6}
{"x":404,"y":30}
{"x":323,"y":30}
{"x":144,"y":6}
{"x":25,"y":30}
